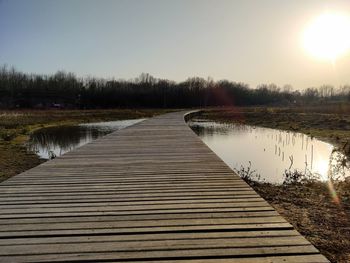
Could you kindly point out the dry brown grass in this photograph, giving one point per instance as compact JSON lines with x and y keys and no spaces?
{"x":311,"y":209}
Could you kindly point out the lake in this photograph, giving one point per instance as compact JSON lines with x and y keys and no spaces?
{"x":268,"y":154}
{"x":50,"y":142}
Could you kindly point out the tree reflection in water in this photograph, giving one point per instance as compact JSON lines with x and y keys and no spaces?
{"x":55,"y":141}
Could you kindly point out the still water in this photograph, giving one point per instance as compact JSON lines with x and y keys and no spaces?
{"x":55,"y":141}
{"x":270,"y":153}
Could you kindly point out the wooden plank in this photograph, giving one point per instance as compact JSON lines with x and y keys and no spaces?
{"x":42,"y":226}
{"x":136,"y":245}
{"x":146,"y":237}
{"x":133,"y":191}
{"x":105,"y":218}
{"x":180,"y":254}
{"x":109,"y":202}
{"x":134,"y":212}
{"x":126,"y":208}
{"x":71,"y":198}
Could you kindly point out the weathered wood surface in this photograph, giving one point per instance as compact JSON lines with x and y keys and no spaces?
{"x":150,"y":192}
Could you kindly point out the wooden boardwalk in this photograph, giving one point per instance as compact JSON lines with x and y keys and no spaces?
{"x":150,"y":192}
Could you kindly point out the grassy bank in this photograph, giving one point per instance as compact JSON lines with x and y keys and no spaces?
{"x":319,"y":211}
{"x":16,"y":126}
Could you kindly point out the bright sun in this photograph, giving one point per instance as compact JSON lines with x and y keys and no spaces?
{"x":328,"y":36}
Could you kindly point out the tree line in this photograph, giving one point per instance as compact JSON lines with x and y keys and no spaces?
{"x":65,"y":90}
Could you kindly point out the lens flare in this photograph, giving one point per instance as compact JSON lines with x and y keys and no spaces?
{"x":333,"y":193}
{"x":323,"y":170}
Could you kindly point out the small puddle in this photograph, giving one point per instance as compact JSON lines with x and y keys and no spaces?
{"x":55,"y":141}
{"x":268,"y":154}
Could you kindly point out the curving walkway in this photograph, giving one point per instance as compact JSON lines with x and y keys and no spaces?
{"x":150,"y":192}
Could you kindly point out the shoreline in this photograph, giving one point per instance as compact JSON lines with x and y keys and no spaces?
{"x":319,"y":211}
{"x":17,"y":125}
{"x":330,"y":128}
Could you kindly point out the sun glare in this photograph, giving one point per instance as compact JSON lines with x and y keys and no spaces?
{"x":321,"y":167}
{"x":328,"y":36}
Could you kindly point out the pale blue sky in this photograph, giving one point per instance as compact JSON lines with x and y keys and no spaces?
{"x":248,"y":41}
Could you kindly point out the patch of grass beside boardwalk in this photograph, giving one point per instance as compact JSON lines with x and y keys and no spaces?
{"x":310,"y":206}
{"x":16,"y":126}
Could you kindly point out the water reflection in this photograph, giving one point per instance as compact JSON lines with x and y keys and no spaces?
{"x":55,"y":141}
{"x":268,"y":154}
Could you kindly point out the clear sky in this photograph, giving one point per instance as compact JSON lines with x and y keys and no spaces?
{"x":247,"y":41}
